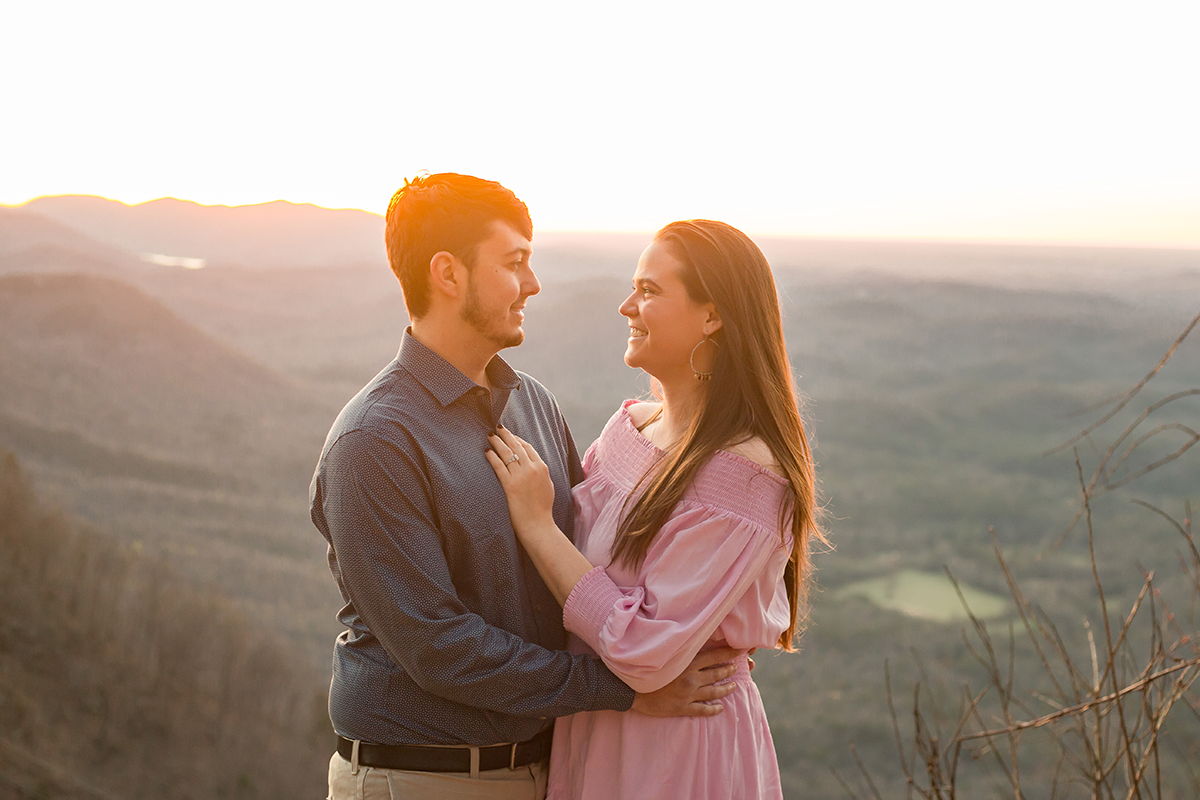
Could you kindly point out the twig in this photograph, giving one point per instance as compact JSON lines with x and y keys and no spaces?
{"x":1110,"y":669}
{"x":863,"y":769}
{"x":1109,"y":485}
{"x":1131,"y":393}
{"x":887,"y":680}
{"x":845,"y":786}
{"x":1077,"y":709}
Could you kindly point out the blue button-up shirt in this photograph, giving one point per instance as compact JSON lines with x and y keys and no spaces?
{"x":452,"y":636}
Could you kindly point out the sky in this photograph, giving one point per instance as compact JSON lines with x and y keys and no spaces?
{"x":1072,"y":122}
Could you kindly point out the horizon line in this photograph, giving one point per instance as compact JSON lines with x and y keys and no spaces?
{"x":986,"y":241}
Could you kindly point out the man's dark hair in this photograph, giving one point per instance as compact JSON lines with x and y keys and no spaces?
{"x":449,"y":212}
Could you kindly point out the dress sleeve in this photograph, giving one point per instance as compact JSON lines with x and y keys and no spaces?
{"x":589,"y":459}
{"x":702,"y":562}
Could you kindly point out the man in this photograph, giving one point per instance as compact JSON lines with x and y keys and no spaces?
{"x":452,"y":666}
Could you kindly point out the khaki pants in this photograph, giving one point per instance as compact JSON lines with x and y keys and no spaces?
{"x":373,"y":783}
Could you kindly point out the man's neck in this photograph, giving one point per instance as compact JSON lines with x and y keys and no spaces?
{"x":462,"y":351}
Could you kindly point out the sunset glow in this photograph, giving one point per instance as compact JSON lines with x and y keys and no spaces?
{"x":1046,"y":121}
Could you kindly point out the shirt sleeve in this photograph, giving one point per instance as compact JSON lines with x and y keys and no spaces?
{"x":702,"y":562}
{"x":376,"y":503}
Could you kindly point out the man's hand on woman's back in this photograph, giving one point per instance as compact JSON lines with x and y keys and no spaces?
{"x":693,"y":693}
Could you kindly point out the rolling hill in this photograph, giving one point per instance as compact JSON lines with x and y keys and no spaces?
{"x":95,"y":355}
{"x":277,"y":234}
{"x":161,"y":435}
{"x":30,"y":242}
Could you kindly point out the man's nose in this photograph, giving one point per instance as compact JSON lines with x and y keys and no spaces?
{"x":627,"y":307}
{"x":531,"y":285}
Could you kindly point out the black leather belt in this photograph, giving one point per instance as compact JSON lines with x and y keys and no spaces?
{"x":424,"y":758}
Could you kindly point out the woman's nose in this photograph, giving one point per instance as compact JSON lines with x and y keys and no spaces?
{"x":628,"y":308}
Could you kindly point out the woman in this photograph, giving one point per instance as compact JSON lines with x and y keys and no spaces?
{"x":693,"y":524}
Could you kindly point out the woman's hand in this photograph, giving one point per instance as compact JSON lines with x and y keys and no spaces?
{"x":526,"y":481}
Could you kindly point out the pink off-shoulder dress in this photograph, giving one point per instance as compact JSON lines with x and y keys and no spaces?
{"x":713,"y":576}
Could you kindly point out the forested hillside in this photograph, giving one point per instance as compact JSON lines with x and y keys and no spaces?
{"x":120,"y":678}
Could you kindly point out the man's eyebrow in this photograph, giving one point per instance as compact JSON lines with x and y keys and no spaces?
{"x":524,"y":251}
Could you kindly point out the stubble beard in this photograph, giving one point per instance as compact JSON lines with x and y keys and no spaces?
{"x":475,"y":314}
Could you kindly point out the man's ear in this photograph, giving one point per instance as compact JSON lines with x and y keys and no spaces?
{"x":446,"y":274}
{"x":713,"y":323}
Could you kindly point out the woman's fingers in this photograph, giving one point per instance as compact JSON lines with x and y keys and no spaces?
{"x":497,"y":465}
{"x":519,"y":445}
{"x":501,"y":448}
{"x":514,"y":443}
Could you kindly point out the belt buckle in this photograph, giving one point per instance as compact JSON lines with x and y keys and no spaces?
{"x":512,"y":756}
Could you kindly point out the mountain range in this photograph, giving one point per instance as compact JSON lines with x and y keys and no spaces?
{"x":277,"y":234}
{"x":181,"y":411}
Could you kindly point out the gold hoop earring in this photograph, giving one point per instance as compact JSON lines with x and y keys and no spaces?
{"x":701,"y":376}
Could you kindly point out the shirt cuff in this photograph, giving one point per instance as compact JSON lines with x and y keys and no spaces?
{"x":589,"y":605}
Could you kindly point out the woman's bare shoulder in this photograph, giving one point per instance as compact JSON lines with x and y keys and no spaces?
{"x":640,"y":413}
{"x":756,"y":450}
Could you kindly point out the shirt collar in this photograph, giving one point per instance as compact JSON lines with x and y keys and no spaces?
{"x":442,"y":379}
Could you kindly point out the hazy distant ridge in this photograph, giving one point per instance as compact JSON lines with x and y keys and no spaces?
{"x":289,"y":235}
{"x":31,"y":242}
{"x":277,"y":234}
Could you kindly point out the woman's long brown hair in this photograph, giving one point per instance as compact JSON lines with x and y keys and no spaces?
{"x":751,"y":395}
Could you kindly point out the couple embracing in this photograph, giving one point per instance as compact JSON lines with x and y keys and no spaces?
{"x":465,"y":532}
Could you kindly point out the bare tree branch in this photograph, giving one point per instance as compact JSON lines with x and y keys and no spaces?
{"x":1099,"y":701}
{"x":1131,"y":393}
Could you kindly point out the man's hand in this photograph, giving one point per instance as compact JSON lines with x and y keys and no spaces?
{"x":690,"y":694}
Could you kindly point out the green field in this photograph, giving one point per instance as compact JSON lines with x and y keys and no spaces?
{"x":925,"y":595}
